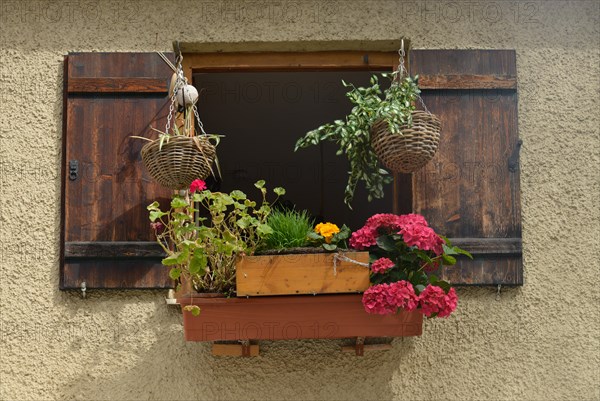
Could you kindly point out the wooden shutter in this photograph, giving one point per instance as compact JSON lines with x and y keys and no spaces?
{"x":470,"y":191}
{"x":106,"y":238}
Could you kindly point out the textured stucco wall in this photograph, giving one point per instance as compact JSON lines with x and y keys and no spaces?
{"x":537,"y":342}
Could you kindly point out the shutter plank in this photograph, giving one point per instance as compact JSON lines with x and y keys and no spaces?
{"x":467,"y":81}
{"x":117,"y":85}
{"x":469,"y":191}
{"x":110,"y":97}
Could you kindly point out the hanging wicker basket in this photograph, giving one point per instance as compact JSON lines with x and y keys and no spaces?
{"x":411,"y":148}
{"x":180,"y":161}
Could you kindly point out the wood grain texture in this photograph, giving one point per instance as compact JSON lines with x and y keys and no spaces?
{"x":114,"y":249}
{"x":292,"y":317}
{"x":469,"y":191}
{"x":301,"y":274}
{"x":117,"y":85}
{"x":467,"y":81}
{"x":290,"y":61}
{"x":234,"y":350}
{"x":107,"y":201}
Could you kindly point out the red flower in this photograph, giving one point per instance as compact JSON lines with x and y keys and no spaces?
{"x":435,"y":300}
{"x":381,"y":265}
{"x":375,"y":300}
{"x":385,"y":299}
{"x":364,"y":238}
{"x":197,"y":185}
{"x":157,"y":226}
{"x":422,"y":237}
{"x":403,"y":295}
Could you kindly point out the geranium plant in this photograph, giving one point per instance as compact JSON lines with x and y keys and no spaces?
{"x":203,"y":250}
{"x":404,"y":251}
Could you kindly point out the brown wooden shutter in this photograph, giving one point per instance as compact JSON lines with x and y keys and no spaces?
{"x":470,"y":191}
{"x":106,"y":238}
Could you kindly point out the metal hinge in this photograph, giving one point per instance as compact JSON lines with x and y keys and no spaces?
{"x":73,"y":169}
{"x":513,"y":160}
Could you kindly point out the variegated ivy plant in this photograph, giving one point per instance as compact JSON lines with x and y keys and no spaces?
{"x":393,"y":105}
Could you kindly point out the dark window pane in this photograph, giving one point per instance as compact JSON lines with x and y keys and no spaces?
{"x":262,"y":114}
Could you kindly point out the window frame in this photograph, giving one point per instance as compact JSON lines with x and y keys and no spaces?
{"x":350,"y":60}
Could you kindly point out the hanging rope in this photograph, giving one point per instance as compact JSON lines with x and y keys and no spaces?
{"x":341,"y":257}
{"x":180,"y":84}
{"x":402,"y":72}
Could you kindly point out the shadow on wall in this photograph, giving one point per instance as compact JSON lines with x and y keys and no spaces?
{"x":170,"y":368}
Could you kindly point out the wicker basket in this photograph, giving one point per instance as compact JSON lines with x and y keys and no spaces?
{"x":410,"y":149}
{"x":180,"y":161}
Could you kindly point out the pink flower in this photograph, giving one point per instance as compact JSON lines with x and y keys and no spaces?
{"x":435,"y":300}
{"x":408,"y":219}
{"x":385,"y":299}
{"x":157,"y":226}
{"x":375,"y":300}
{"x":381,"y":265}
{"x":422,"y":237}
{"x":403,"y":295}
{"x":384,"y":223}
{"x":363,"y":238}
{"x":197,"y":185}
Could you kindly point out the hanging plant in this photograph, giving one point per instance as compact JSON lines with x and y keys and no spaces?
{"x":178,"y":156}
{"x":392,"y":106}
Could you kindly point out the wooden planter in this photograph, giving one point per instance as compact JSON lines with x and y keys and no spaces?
{"x":312,"y":273}
{"x":292,"y":317}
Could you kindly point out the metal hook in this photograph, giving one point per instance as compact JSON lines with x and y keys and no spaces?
{"x":178,"y":51}
{"x":498,"y":292}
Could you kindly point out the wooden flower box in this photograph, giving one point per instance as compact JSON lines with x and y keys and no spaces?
{"x":311,"y":273}
{"x":291,"y":317}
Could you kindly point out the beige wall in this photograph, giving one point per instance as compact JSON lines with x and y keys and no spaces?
{"x":536,"y":342}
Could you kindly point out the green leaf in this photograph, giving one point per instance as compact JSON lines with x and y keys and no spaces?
{"x":194,"y":309}
{"x":153,"y":206}
{"x":279,"y":191}
{"x":444,"y":285}
{"x":238,"y":195}
{"x":462,"y":252}
{"x":178,"y":202}
{"x":330,"y":247}
{"x":264,"y":229}
{"x":175,"y":273}
{"x":449,"y":260}
{"x":386,"y":243}
{"x":243,"y":223}
{"x":227,"y":200}
{"x":314,"y":236}
{"x":171,"y":259}
{"x":154,"y":215}
{"x":198,"y":262}
{"x":259,"y":184}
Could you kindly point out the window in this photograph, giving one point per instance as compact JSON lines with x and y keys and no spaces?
{"x":469,"y":191}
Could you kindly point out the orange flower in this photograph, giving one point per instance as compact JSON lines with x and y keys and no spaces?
{"x":327,"y":230}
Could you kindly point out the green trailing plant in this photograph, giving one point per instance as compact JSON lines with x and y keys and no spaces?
{"x":290,"y":229}
{"x":203,"y":250}
{"x":353,"y":137}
